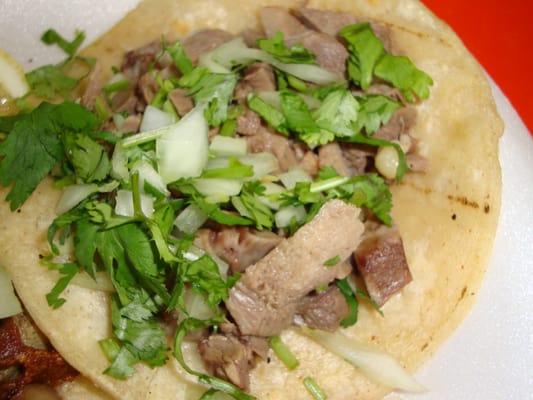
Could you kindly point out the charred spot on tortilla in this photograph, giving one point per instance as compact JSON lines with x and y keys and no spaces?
{"x":233,"y":189}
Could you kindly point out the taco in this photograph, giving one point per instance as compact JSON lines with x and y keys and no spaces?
{"x":262,"y":199}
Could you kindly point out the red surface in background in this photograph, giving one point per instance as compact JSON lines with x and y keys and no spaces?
{"x":500,"y":35}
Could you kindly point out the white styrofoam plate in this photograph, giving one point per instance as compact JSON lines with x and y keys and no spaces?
{"x":490,"y":356}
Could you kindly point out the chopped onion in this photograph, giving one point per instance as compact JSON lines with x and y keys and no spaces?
{"x":102,"y":283}
{"x":387,"y":161}
{"x":376,"y":365}
{"x":215,"y":187}
{"x":262,"y":163}
{"x":148,"y":174}
{"x":193,"y":253}
{"x":292,"y":177}
{"x":119,"y":163}
{"x":10,"y":304}
{"x":239,"y":206}
{"x":228,"y":146}
{"x":271,"y":189}
{"x":236,"y":52}
{"x":154,"y":118}
{"x":124,"y":204}
{"x":75,"y":194}
{"x":196,"y":306}
{"x":285,"y":216}
{"x":223,"y":266}
{"x":190,"y":219}
{"x":182,"y":152}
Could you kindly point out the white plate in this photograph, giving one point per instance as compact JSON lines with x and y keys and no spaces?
{"x":490,"y":356}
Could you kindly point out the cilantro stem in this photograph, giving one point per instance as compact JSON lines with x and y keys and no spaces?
{"x":136,"y":194}
{"x":283,"y":353}
{"x":313,"y":388}
{"x":144,"y":137}
{"x":328,"y":184}
{"x":116,"y":86}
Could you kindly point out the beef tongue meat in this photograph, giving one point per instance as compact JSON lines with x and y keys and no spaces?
{"x":381,"y":261}
{"x":267,"y":296}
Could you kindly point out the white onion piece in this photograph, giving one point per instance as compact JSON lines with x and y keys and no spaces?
{"x":182,"y":152}
{"x":262,"y":163}
{"x":148,"y":174}
{"x":154,"y":118}
{"x":102,"y":283}
{"x":228,"y":146}
{"x":124,"y":204}
{"x":196,"y":306}
{"x":387,"y":161}
{"x":75,"y":194}
{"x":193,"y":253}
{"x":119,"y":163}
{"x":292,"y":177}
{"x":376,"y":365}
{"x":10,"y":304}
{"x":190,"y":219}
{"x":271,"y":189}
{"x":216,"y":187}
{"x":285,"y":216}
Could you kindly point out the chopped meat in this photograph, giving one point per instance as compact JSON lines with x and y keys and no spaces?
{"x":137,"y":62}
{"x":230,"y":357}
{"x":329,"y":22}
{"x":26,"y":362}
{"x":258,"y":77}
{"x":251,"y":36}
{"x":181,"y":102}
{"x":309,"y":163}
{"x":381,"y":261}
{"x":148,"y":86}
{"x":93,"y":88}
{"x":280,"y":146}
{"x":417,"y":163}
{"x":278,"y":19}
{"x":356,"y":156}
{"x":324,"y":310}
{"x":386,"y":90}
{"x":131,"y":124}
{"x":264,"y":300}
{"x":261,"y":78}
{"x":124,"y":101}
{"x":204,"y":41}
{"x":330,"y":155}
{"x":330,"y":54}
{"x":213,"y":131}
{"x":401,"y":122}
{"x":239,"y":247}
{"x":249,"y":123}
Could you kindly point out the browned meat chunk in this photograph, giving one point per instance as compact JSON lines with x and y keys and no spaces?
{"x":249,"y":123}
{"x":239,"y":247}
{"x":381,"y":261}
{"x":251,"y":36}
{"x":280,"y":146}
{"x":136,"y":62}
{"x":204,"y":41}
{"x":330,"y":155}
{"x":324,"y":310}
{"x":124,"y":101}
{"x":148,"y":87}
{"x":401,"y":122}
{"x":181,"y":102}
{"x":309,"y":163}
{"x":329,"y":22}
{"x":131,"y":124}
{"x":258,"y":77}
{"x":357,"y":157}
{"x":230,"y":357}
{"x":330,"y":54}
{"x":265,"y":299}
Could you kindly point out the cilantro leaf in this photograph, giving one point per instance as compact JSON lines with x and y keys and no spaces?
{"x":338,"y":112}
{"x":120,"y":358}
{"x":352,"y":302}
{"x":89,"y":159}
{"x":52,"y":37}
{"x":68,"y":272}
{"x":85,"y":245}
{"x":181,"y":60}
{"x":234,"y":170}
{"x":276,"y":46}
{"x":216,"y":90}
{"x":402,"y":74}
{"x":332,"y":261}
{"x":376,"y":110}
{"x":49,"y":81}
{"x":257,"y":211}
{"x":365,"y":51}
{"x":270,"y":114}
{"x":34,"y":146}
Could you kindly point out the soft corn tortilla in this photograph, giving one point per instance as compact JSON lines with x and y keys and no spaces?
{"x":447,"y":216}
